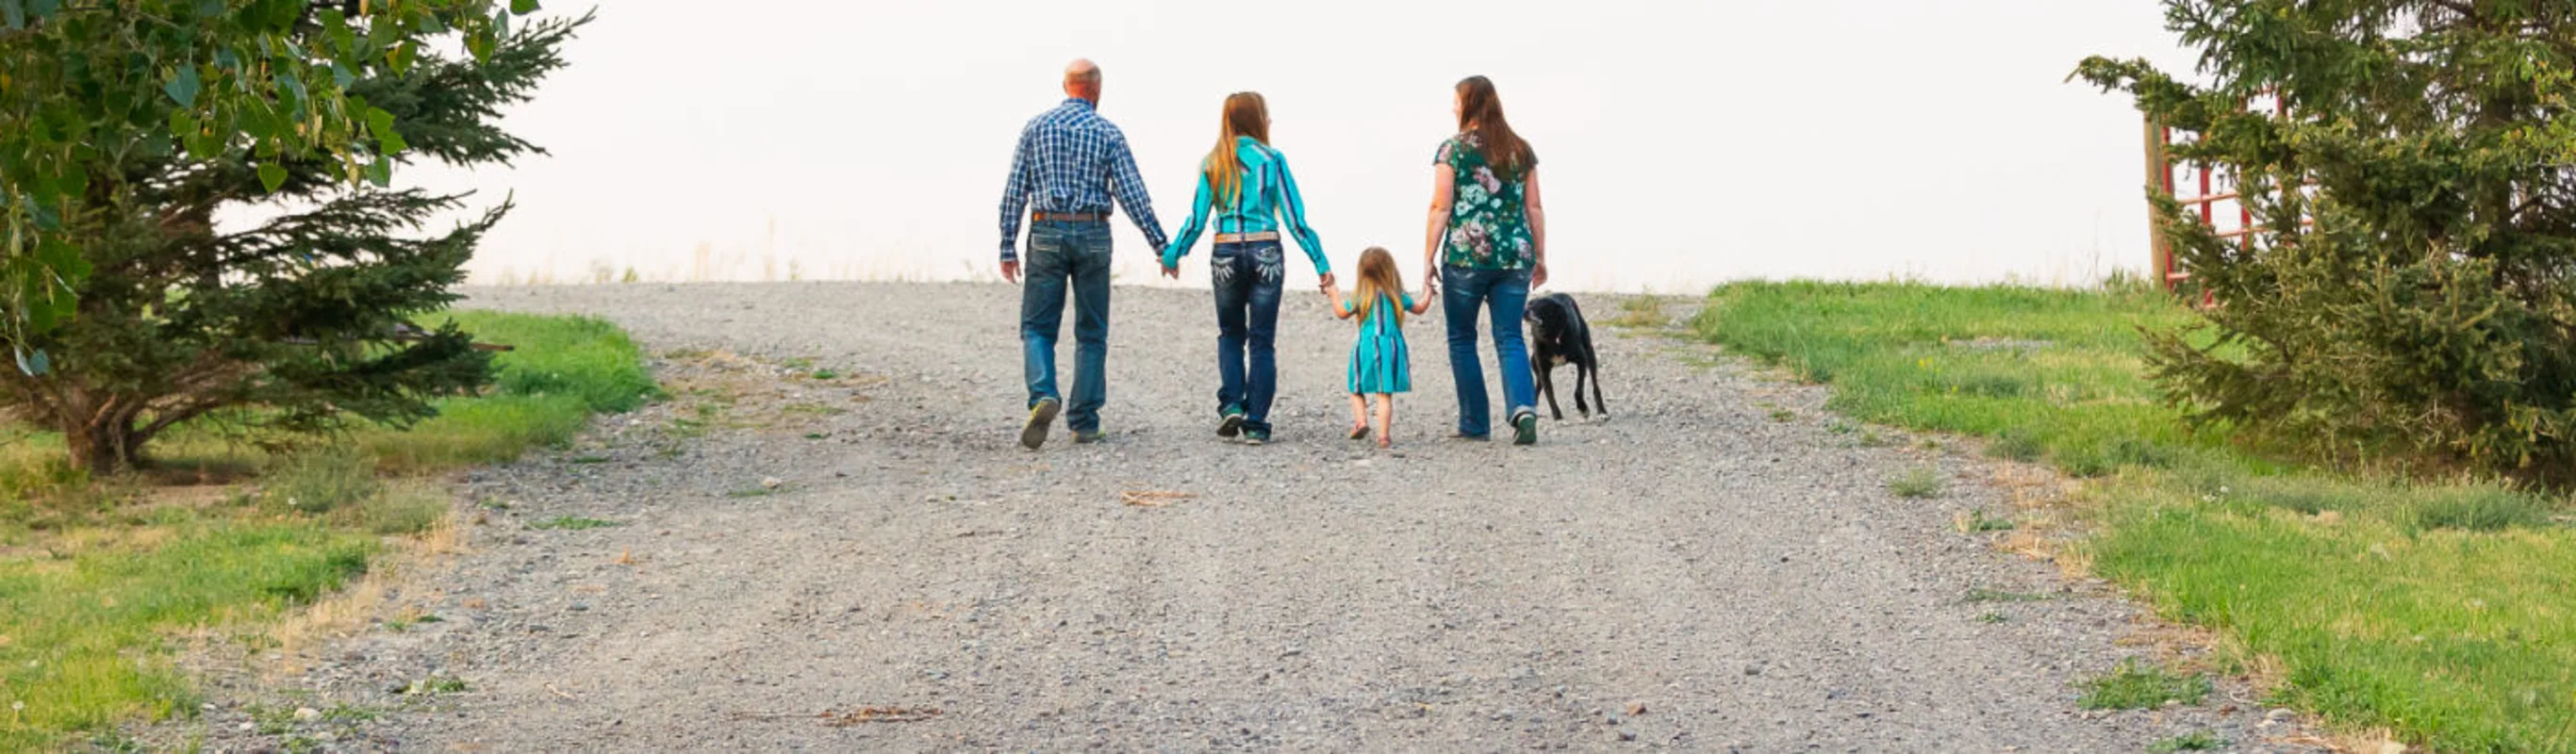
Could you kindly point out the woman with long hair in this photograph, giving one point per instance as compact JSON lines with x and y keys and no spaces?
{"x":1245,"y":189}
{"x":1488,"y":240}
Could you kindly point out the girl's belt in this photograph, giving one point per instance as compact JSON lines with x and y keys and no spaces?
{"x":1267,"y":235}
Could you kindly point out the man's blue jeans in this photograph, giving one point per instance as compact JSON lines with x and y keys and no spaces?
{"x":1061,"y":256}
{"x":1505,"y":293}
{"x":1247,"y":279}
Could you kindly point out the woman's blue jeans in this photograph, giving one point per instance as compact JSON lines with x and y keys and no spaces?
{"x":1505,"y":294}
{"x":1247,"y":279}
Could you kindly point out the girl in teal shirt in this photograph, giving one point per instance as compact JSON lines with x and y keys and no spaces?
{"x":1245,"y":186}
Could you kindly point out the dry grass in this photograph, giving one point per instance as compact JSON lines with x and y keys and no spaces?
{"x":1642,"y":312}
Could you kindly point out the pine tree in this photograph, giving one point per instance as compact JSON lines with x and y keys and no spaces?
{"x":2427,"y":317}
{"x":297,"y":324}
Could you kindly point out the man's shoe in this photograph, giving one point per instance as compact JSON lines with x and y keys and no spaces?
{"x":1525,"y":428}
{"x":1041,"y":418}
{"x":1087,"y":438}
{"x":1231,"y":425}
{"x":1256,"y":437}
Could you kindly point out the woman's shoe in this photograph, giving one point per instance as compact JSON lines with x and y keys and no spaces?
{"x":1525,"y":429}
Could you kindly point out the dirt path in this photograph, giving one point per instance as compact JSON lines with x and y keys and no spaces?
{"x":1716,"y":568}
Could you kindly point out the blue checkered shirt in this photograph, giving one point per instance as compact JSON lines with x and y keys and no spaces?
{"x":1072,"y":160}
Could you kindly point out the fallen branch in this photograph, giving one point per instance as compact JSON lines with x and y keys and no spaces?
{"x":1146,"y":499}
{"x":859,"y":716}
{"x":864,"y":715}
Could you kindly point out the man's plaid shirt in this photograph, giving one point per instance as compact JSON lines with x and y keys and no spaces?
{"x":1072,"y":160}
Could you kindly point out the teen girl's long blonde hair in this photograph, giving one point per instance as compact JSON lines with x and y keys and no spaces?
{"x":1378,"y":277}
{"x":1246,"y":114}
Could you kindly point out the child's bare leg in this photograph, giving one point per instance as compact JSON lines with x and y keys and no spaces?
{"x":1385,"y":420}
{"x":1359,"y":416}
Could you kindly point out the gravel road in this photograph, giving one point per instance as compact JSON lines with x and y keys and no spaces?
{"x":1719,"y":567}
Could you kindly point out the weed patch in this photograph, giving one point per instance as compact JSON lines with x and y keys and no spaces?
{"x":1984,"y":595}
{"x":322,"y":480}
{"x":574,"y":523}
{"x":2138,"y":685}
{"x":1918,"y":483}
{"x":2194,"y":741}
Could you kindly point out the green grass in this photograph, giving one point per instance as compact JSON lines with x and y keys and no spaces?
{"x":2138,"y":685}
{"x":98,"y":576}
{"x":2445,"y":611}
{"x":2057,"y":371}
{"x":564,"y":369}
{"x":76,"y":619}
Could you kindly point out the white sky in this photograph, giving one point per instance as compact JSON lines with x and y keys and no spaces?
{"x":1684,"y":143}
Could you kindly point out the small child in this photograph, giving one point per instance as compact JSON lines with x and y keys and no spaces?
{"x":1379,"y":364}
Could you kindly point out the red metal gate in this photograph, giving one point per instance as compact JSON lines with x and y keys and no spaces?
{"x":2219,"y":194}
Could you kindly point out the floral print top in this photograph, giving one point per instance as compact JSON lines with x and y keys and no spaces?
{"x":1488,"y":219}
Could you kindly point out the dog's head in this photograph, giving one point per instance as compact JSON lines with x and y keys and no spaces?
{"x":1547,"y":317}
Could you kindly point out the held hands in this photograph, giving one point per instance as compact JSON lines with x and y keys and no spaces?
{"x":1172,"y":271}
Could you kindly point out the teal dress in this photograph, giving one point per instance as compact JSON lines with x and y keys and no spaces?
{"x":1379,"y":363}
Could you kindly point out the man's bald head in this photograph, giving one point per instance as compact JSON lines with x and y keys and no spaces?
{"x":1082,"y":79}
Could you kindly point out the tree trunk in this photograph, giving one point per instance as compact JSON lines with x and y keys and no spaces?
{"x":100,"y":450}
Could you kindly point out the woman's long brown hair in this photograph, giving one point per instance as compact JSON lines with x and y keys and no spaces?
{"x":1480,"y":111}
{"x":1246,"y":114}
{"x":1378,"y":277}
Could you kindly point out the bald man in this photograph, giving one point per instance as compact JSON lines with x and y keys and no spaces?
{"x":1071,"y":166}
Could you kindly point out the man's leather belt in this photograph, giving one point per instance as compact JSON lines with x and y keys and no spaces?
{"x":1267,"y":235}
{"x":1069,"y":217}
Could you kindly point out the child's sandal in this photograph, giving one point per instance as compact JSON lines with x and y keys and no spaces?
{"x":1359,"y":431}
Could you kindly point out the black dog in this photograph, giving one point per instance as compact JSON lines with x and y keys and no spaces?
{"x":1559,"y":336}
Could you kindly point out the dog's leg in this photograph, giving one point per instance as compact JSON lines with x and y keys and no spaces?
{"x":1579,"y":406}
{"x":1593,"y":364}
{"x":1547,"y":386}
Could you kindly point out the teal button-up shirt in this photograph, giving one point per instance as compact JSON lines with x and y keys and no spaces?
{"x":1269,"y":197}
